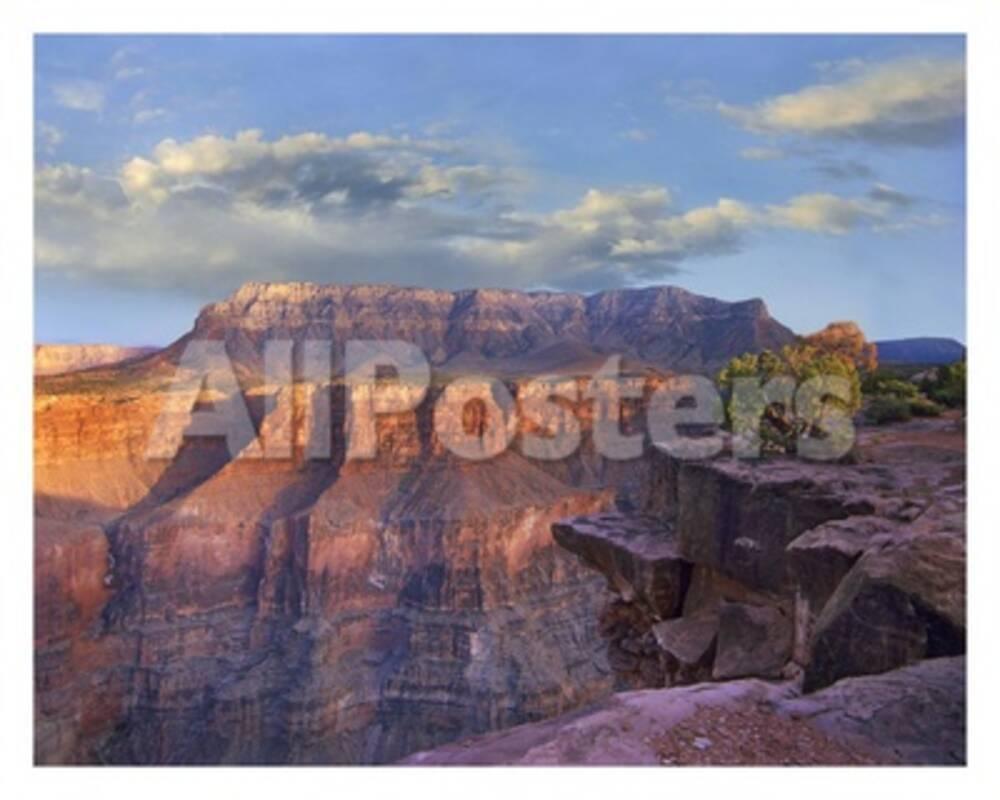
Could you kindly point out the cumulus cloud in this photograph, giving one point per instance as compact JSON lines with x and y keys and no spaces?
{"x":362,"y":169}
{"x":910,"y":101}
{"x":823,"y":213}
{"x":209,"y":213}
{"x":633,"y":234}
{"x":79,"y":95}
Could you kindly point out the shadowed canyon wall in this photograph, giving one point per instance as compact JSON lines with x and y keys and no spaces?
{"x":205,"y":609}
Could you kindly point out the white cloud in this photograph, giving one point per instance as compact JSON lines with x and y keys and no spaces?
{"x":909,"y":101}
{"x":79,"y":95}
{"x":823,"y":213}
{"x":212,"y":212}
{"x":880,"y":209}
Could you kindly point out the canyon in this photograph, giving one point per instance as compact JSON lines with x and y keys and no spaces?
{"x":213,"y":609}
{"x":775,"y":613}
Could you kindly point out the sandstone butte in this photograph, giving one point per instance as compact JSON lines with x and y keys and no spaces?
{"x":205,"y":609}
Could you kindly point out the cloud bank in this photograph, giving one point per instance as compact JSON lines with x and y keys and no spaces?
{"x":209,"y":213}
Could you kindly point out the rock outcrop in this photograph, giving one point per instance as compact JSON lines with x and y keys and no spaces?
{"x":913,"y":715}
{"x":780,"y":567}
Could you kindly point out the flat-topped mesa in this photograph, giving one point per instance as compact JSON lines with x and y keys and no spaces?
{"x":780,"y":566}
{"x":662,"y":326}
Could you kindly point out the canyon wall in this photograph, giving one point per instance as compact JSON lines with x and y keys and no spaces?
{"x":210,"y":609}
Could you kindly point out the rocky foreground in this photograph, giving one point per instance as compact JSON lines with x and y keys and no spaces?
{"x":818,"y":612}
{"x":914,"y":715}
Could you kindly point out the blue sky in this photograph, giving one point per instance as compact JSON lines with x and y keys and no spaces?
{"x":824,"y":174}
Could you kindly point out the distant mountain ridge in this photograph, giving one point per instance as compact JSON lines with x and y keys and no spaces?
{"x":52,"y":359}
{"x":662,"y":326}
{"x":920,"y":350}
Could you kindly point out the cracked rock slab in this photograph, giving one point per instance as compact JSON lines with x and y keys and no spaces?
{"x":637,"y":554}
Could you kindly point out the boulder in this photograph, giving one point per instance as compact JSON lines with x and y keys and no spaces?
{"x":753,"y":641}
{"x":900,"y":603}
{"x":688,"y":644}
{"x":739,"y":518}
{"x":819,"y":559}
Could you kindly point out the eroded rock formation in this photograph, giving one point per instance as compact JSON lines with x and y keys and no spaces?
{"x":779,"y":567}
{"x":248,"y":611}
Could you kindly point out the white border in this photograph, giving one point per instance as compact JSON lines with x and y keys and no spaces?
{"x":20,"y":19}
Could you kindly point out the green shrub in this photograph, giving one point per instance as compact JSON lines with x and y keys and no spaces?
{"x":948,"y":388}
{"x":922,"y":407}
{"x":781,"y":424}
{"x":881,"y":383}
{"x":886,"y":408}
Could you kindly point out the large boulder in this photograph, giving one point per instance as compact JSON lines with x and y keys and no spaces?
{"x":738,"y":518}
{"x":900,"y":603}
{"x":688,"y":645}
{"x":753,"y":641}
{"x":819,"y":560}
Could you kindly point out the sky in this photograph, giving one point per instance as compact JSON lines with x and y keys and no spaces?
{"x":824,"y":174}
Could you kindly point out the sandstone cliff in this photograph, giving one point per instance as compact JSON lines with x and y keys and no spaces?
{"x":506,"y":332}
{"x":209,"y":610}
{"x":52,"y":359}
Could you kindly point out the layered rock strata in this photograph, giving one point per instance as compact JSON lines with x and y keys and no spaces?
{"x":216,"y":610}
